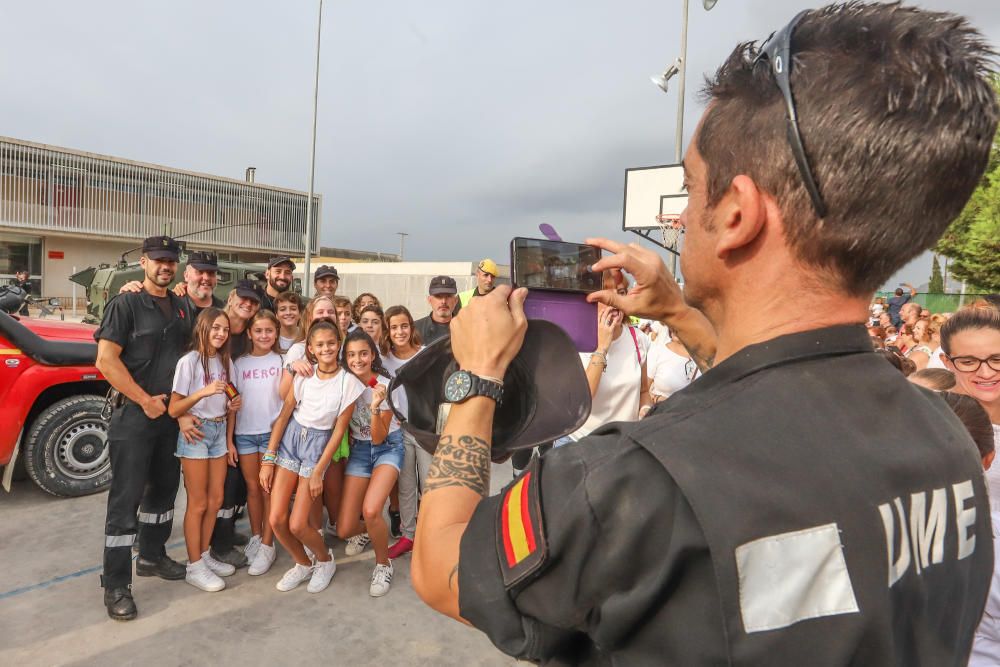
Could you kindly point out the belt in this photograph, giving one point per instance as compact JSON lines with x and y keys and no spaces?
{"x":214,"y":419}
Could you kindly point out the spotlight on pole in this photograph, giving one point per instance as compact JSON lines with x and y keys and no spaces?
{"x":661,"y":80}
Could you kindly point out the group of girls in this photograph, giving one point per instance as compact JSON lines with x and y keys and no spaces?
{"x":304,"y":413}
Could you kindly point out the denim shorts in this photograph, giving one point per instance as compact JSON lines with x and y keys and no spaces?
{"x":212,"y":446}
{"x":365,"y":456}
{"x":301,"y":448}
{"x":255,"y":443}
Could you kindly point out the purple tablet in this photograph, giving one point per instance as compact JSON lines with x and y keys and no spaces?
{"x":570,"y":311}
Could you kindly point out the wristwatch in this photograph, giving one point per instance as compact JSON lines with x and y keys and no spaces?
{"x":463,"y":385}
{"x":288,"y":367}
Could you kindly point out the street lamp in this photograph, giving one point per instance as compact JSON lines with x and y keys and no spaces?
{"x":679,"y":67}
{"x":306,"y":279}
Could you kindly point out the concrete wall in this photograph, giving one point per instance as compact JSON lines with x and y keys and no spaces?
{"x":402,"y":283}
{"x":77,"y":252}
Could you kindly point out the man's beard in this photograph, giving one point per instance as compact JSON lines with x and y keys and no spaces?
{"x":277,"y":287}
{"x":161,"y":279}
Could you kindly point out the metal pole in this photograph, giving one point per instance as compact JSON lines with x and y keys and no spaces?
{"x":402,"y":237}
{"x":679,"y":136}
{"x":307,"y":278}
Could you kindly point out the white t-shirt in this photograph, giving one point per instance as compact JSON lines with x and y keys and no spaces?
{"x":986,"y":644}
{"x":935,"y":360}
{"x":285,"y":343}
{"x":320,"y":402}
{"x":877,"y":309}
{"x":295,"y":352}
{"x":392,"y":364}
{"x":189,"y":378}
{"x":361,"y":420}
{"x":257,"y":380}
{"x":617,"y":396}
{"x":668,"y":370}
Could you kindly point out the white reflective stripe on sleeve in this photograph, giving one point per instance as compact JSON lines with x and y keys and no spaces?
{"x":226,"y":513}
{"x":149,"y":517}
{"x":792,"y":577}
{"x":119,"y":540}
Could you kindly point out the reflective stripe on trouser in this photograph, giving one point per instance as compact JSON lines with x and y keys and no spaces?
{"x":225,"y":523}
{"x":144,"y":479}
{"x":416,"y":462}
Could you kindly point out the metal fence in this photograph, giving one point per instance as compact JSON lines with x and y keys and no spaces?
{"x":938,"y":302}
{"x":47,"y":188}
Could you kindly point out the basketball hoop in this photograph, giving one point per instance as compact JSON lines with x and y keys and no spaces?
{"x":670,"y":228}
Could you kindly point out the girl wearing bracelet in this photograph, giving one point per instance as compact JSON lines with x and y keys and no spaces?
{"x":308,"y":430}
{"x":375,"y":461}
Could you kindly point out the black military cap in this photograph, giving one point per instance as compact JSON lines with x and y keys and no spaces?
{"x":324,"y":271}
{"x":248,"y":290}
{"x":203,"y":261}
{"x":442,"y":285}
{"x":275,"y":261}
{"x":161,"y":247}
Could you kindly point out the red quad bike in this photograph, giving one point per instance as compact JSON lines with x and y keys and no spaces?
{"x":51,"y":401}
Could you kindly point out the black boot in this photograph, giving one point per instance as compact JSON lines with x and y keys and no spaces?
{"x":119,"y":602}
{"x":233,"y":557}
{"x":240,"y":539}
{"x":394,"y":524}
{"x":164,"y":568}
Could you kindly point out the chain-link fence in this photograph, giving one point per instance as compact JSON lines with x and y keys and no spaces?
{"x":937,"y":302}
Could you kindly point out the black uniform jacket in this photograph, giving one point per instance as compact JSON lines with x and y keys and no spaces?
{"x":151,"y":343}
{"x":800,"y":504}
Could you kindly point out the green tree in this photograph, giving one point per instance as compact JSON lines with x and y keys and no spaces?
{"x":973,"y":239}
{"x":936,"y":284}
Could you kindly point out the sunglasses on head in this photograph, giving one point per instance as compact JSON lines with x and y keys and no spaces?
{"x":777,"y":51}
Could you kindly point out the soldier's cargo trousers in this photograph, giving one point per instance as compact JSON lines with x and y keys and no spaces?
{"x":145,"y":474}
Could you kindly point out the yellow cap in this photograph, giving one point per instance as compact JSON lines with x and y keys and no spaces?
{"x":488,"y":266}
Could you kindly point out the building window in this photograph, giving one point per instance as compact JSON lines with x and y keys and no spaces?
{"x":21,"y":252}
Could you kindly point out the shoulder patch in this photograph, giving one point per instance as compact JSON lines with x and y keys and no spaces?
{"x":521,"y":542}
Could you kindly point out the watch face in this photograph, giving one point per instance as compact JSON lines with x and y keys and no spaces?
{"x":458,"y":386}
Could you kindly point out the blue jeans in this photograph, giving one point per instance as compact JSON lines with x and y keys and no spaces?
{"x":365,"y":456}
{"x":255,"y":443}
{"x":212,"y":446}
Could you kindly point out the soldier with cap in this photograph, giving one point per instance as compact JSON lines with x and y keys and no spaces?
{"x":801,"y":503}
{"x":486,"y":276}
{"x":279,"y":279}
{"x":442,"y":297}
{"x":201,"y":275}
{"x":139,"y":341}
{"x":326,"y":280}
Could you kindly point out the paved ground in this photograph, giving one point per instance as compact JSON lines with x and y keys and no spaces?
{"x":51,"y":610}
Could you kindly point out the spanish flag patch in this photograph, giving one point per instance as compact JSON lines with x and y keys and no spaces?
{"x":521,"y":539}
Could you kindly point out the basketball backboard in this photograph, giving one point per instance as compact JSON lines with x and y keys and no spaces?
{"x":651,"y":192}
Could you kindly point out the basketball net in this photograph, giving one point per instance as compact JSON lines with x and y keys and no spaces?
{"x":670,"y":228}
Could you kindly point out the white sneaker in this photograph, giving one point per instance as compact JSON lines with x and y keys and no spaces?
{"x":357,"y":544}
{"x":294,"y":577}
{"x":322,"y":574}
{"x":263,"y":560}
{"x":199,"y":576}
{"x":218,"y":567}
{"x":250,"y":550}
{"x":381,"y":580}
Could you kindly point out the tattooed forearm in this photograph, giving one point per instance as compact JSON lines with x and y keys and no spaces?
{"x":462,"y":463}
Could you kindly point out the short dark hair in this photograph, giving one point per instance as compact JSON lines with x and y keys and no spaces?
{"x":899,"y":291}
{"x":975,"y":419}
{"x":897,"y":116}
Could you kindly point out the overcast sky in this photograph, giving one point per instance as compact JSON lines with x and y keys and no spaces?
{"x":462,"y":123}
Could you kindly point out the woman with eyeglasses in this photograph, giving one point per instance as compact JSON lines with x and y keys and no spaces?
{"x":971,"y":344}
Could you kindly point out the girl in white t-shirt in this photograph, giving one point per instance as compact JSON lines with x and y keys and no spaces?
{"x":256,"y":376}
{"x":320,"y":309}
{"x":375,"y":461}
{"x":200,"y":390}
{"x":403,"y":343}
{"x":312,"y":421}
{"x":670,"y":367}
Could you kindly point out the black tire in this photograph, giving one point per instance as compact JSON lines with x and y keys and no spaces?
{"x":66,"y":450}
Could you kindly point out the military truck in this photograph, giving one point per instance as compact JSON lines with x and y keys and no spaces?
{"x":104,"y":281}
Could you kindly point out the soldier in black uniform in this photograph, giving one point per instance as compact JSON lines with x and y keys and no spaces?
{"x":23,"y":281}
{"x":139,"y":342}
{"x":801,"y":503}
{"x":201,"y":275}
